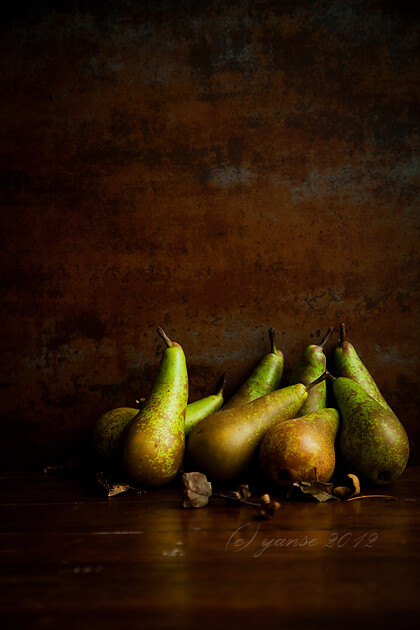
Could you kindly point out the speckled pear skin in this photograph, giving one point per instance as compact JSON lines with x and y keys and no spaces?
{"x":373,"y":442}
{"x":107,"y":432}
{"x":265,"y":377}
{"x":311,"y":364}
{"x":347,"y":363}
{"x":108,"y":429}
{"x":223,"y":445}
{"x":295,"y":448}
{"x":153,"y":442}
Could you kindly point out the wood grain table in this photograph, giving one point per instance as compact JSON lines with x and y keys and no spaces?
{"x":74,"y":558}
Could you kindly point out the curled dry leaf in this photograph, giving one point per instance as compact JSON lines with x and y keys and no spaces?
{"x":243,"y":492}
{"x":344,"y":492}
{"x":197,"y":490}
{"x":113,"y":489}
{"x":320,"y":491}
{"x":267,"y":507}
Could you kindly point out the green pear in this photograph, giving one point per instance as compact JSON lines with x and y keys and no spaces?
{"x":373,"y":442}
{"x":200,"y":409}
{"x":109,"y":427}
{"x":347,"y":363}
{"x":265,"y":377}
{"x":107,"y":432}
{"x":223,"y":445}
{"x":152,"y":444}
{"x":296,"y":448}
{"x":311,"y":364}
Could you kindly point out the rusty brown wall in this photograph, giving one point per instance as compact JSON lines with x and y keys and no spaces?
{"x":212,"y":167}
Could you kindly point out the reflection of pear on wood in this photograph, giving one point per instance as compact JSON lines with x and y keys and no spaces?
{"x":265,"y":377}
{"x":293,"y":449}
{"x":152,"y":444}
{"x":223,"y":445}
{"x":311,"y":364}
{"x":372,"y":440}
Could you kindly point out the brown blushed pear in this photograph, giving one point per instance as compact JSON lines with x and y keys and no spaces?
{"x":295,"y":448}
{"x":224,"y":444}
{"x":265,"y":377}
{"x":152,"y":444}
{"x":312,"y":363}
{"x":347,"y":363}
{"x":372,"y":441}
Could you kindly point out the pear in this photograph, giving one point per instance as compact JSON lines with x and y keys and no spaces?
{"x":152,"y":444}
{"x":347,"y":363}
{"x":296,"y":448}
{"x":200,"y":409}
{"x":224,"y":444}
{"x":109,"y":427}
{"x":107,"y":432}
{"x":311,"y":364}
{"x":265,"y":377}
{"x":373,"y":442}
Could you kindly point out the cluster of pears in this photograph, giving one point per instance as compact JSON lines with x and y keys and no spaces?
{"x":290,"y":431}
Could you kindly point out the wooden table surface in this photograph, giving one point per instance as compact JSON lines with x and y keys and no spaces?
{"x":72,"y":558}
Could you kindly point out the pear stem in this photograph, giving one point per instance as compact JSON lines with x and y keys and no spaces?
{"x":329,"y":375}
{"x":342,"y":334}
{"x":272,"y":334}
{"x":165,"y":337}
{"x":327,"y":335}
{"x":222,"y":384}
{"x":317,"y":381}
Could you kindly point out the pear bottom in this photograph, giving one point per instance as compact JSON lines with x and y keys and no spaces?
{"x":301,"y":449}
{"x":378,"y":455}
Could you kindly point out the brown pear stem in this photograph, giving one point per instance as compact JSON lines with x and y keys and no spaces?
{"x":317,"y":381}
{"x":165,"y":337}
{"x":342,"y":334}
{"x":272,"y":334}
{"x":329,"y":375}
{"x":222,"y":384}
{"x":327,"y":335}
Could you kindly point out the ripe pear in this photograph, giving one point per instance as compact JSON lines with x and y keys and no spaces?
{"x":223,"y":445}
{"x":152,"y":444}
{"x":347,"y":363}
{"x":109,"y":427}
{"x":265,"y":377}
{"x":311,"y":364}
{"x":373,"y":442}
{"x":107,"y":432}
{"x":200,"y":409}
{"x":295,"y":448}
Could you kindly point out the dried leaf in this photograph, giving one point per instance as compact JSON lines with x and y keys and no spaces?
{"x":113,"y":489}
{"x":267,"y":509}
{"x":320,"y":491}
{"x":243,"y":492}
{"x":197,"y":490}
{"x":344,"y":493}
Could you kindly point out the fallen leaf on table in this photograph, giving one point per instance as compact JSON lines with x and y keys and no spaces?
{"x":197,"y":490}
{"x":113,"y":489}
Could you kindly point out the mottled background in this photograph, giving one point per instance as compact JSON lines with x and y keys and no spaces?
{"x":215,"y":168}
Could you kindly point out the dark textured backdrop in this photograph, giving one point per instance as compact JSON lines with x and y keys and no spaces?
{"x":212,"y":167}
